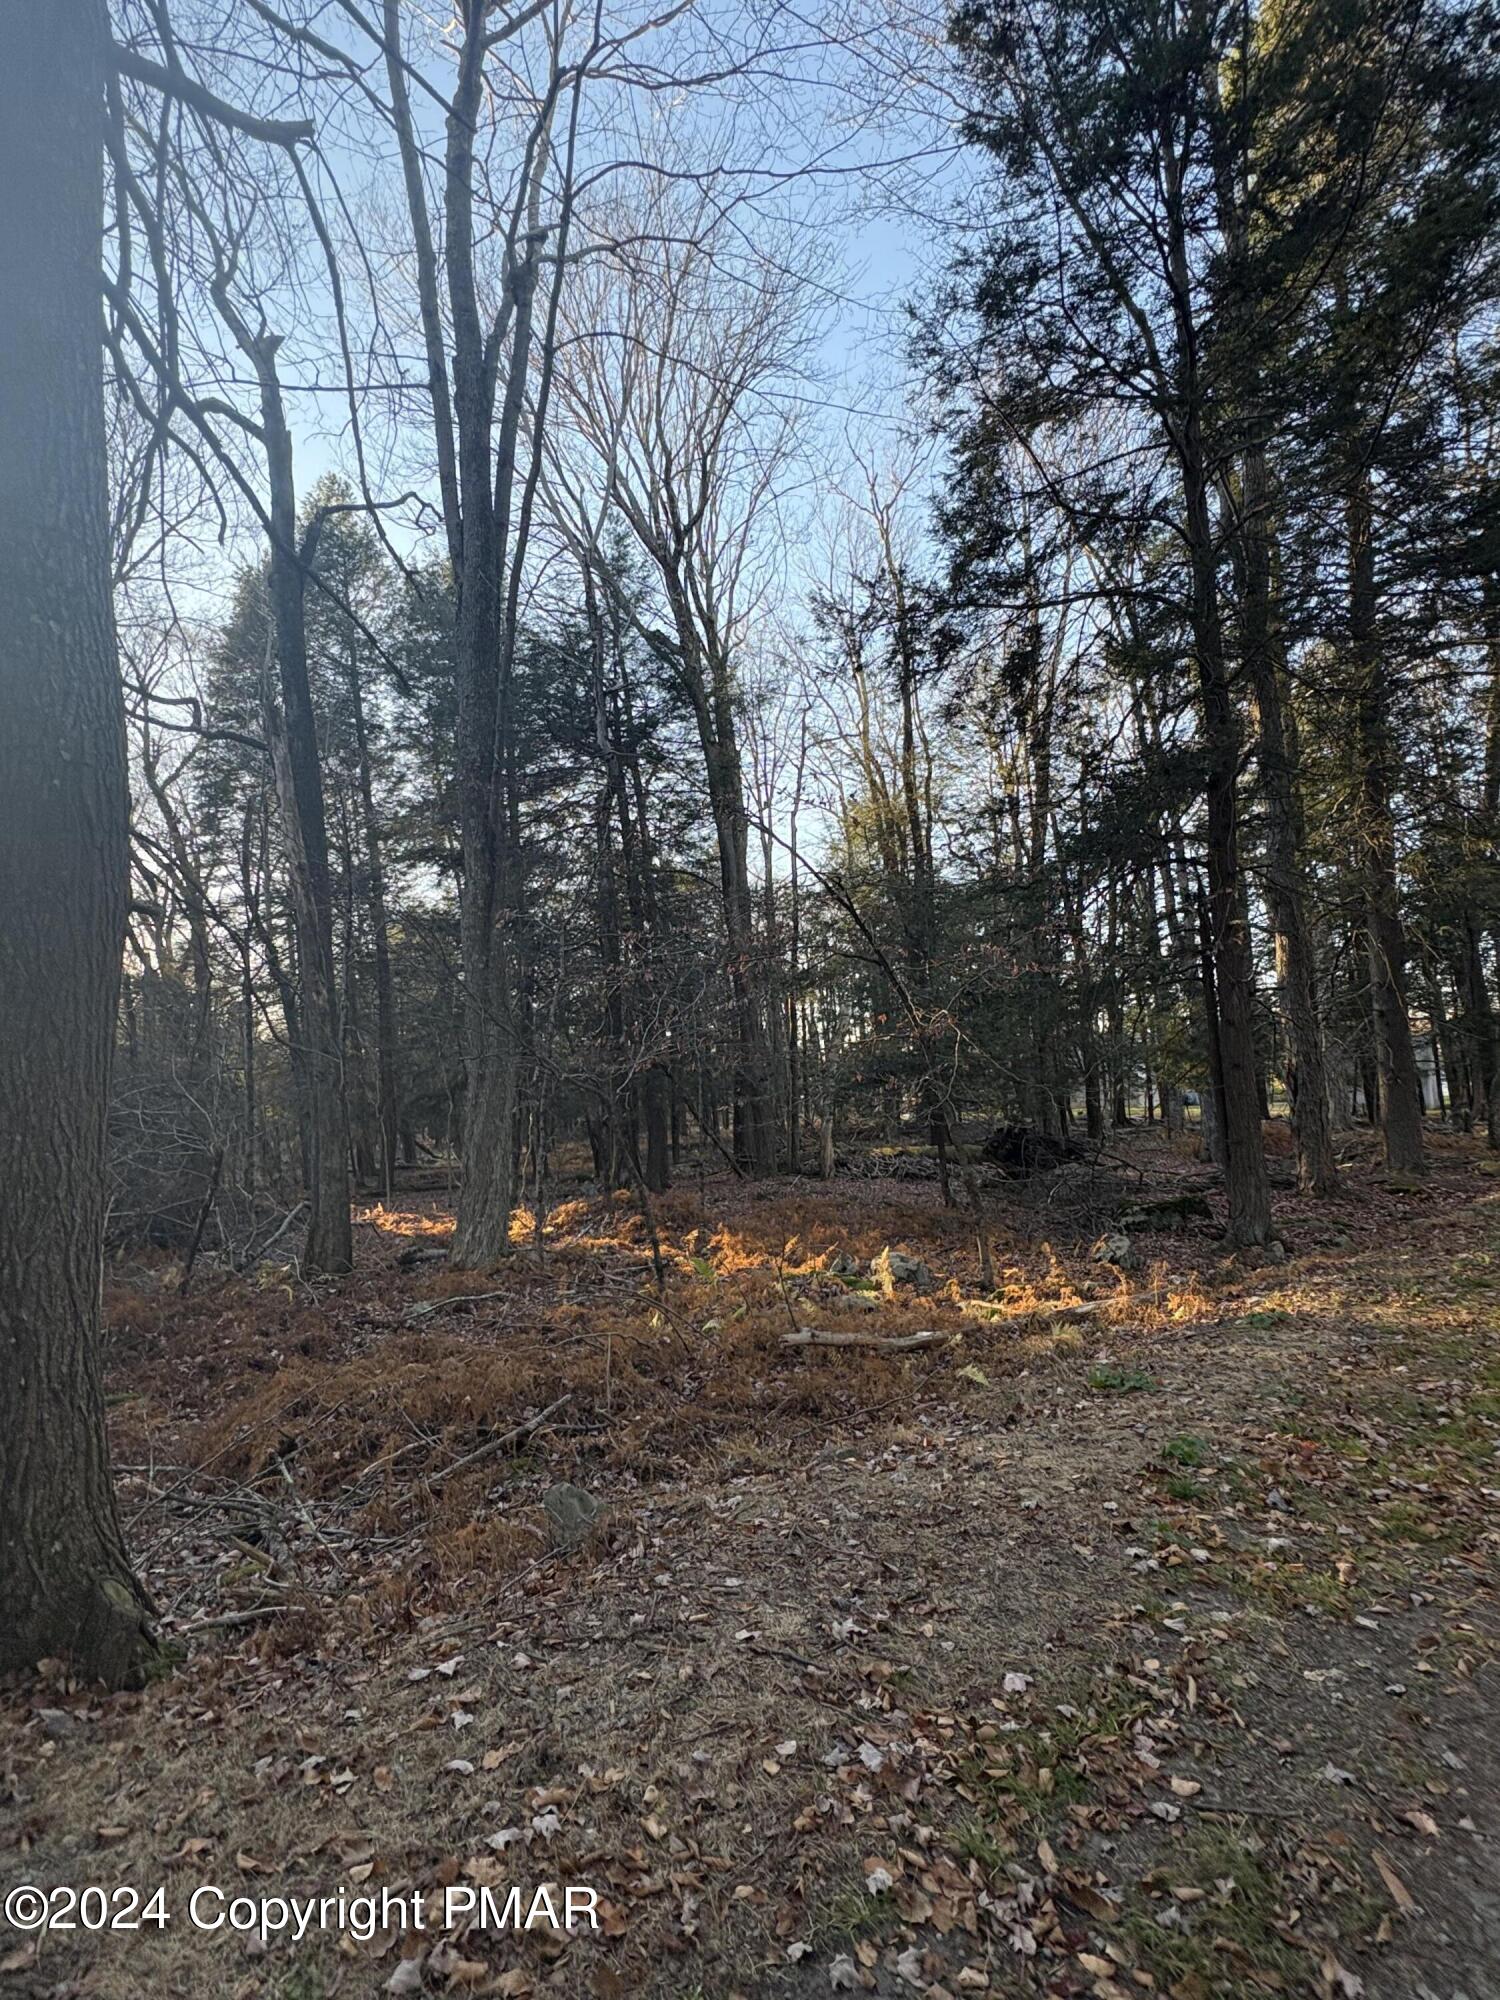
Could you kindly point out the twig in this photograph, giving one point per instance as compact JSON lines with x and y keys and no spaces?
{"x":203,"y":1214}
{"x":275,"y":1237}
{"x":498,"y":1444}
{"x":781,"y":1287}
{"x":228,"y":1618}
{"x":425,"y":1308}
{"x":304,"y":1512}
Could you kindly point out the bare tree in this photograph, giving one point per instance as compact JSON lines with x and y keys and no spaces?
{"x":487,"y":327}
{"x":677,"y":347}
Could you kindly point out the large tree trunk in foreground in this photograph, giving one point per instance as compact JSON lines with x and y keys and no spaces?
{"x":66,"y":1587}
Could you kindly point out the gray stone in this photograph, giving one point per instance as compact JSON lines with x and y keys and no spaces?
{"x":571,"y":1514}
{"x":894,"y":1267}
{"x":1117,"y":1249}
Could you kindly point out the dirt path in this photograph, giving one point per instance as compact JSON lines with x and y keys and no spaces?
{"x":1164,"y":1666}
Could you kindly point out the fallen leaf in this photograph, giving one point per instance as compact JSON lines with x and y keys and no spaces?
{"x":1400,"y":1895}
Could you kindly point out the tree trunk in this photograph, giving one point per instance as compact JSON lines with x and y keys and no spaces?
{"x":658,"y":1106}
{"x":65,"y":1583}
{"x":291,"y":728}
{"x":1285,"y":883}
{"x":1400,"y":1096}
{"x":388,"y":1104}
{"x":709,"y":687}
{"x":1481,"y":1029}
{"x":1231,"y":1027}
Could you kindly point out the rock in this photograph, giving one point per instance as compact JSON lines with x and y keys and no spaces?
{"x":1255,"y":1255}
{"x":571,"y":1514}
{"x":857,"y":1302}
{"x":56,"y":1722}
{"x":894,"y":1267}
{"x":1117,"y":1249}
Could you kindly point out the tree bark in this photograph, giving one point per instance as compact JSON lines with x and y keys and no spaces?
{"x":1229,"y":988}
{"x":292,"y":735}
{"x":65,"y":1583}
{"x":388,"y":1104}
{"x":707,"y":678}
{"x":1400,"y":1093}
{"x":1285,"y":882}
{"x":1231,"y":1023}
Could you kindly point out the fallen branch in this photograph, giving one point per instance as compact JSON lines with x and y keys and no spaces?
{"x":425,"y":1308}
{"x":882,"y":1343}
{"x":499,"y":1444}
{"x":996,"y":1313}
{"x":226,"y":1619}
{"x":275,"y":1237}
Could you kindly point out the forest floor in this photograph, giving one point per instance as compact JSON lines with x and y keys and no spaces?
{"x":1149,"y":1649}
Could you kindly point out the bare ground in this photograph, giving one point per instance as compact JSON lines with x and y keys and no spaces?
{"x":1151,"y":1654}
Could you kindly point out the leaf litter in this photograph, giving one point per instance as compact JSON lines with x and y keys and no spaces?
{"x":1012,"y":1692}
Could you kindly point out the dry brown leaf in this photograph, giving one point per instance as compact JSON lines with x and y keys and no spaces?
{"x":1400,"y":1895}
{"x":466,"y":1971}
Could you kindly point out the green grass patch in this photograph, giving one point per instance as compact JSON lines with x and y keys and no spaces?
{"x":1187,"y":1451}
{"x":1113,"y":1379}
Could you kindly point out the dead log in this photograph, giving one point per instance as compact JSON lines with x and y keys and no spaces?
{"x":881,"y":1343}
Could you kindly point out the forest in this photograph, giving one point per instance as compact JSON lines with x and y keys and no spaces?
{"x":749,"y":998}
